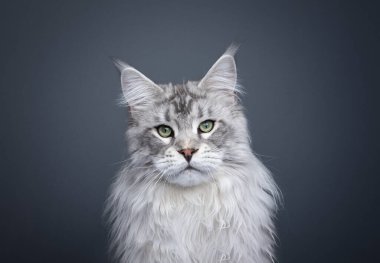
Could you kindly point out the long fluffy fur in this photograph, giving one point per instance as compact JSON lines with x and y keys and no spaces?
{"x":228,"y":219}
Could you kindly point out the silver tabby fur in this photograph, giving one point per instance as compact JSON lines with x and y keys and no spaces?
{"x":222,"y":210}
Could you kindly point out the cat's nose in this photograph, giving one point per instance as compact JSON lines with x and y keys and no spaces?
{"x":188,"y":153}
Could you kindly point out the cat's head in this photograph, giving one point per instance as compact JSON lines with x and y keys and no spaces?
{"x":186,"y":133}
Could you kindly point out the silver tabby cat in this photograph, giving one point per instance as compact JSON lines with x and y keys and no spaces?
{"x":192,"y":190}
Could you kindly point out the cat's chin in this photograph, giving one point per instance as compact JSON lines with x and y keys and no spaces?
{"x":189,"y":178}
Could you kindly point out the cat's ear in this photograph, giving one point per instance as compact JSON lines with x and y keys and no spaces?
{"x":138,"y":90}
{"x":222,"y":77}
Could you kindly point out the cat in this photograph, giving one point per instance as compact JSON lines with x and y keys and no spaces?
{"x":192,"y":190}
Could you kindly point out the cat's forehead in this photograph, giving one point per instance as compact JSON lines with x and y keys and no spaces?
{"x":175,"y":93}
{"x":182,"y":104}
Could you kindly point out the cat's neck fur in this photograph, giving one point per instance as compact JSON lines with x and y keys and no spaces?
{"x":227,"y":219}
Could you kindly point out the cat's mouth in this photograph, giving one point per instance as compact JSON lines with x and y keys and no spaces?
{"x":187,"y":176}
{"x":191,"y":168}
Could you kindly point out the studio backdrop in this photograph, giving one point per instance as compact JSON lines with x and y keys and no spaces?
{"x":310,"y":73}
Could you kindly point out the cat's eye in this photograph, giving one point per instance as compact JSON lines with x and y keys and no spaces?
{"x":206,"y":126}
{"x":165,"y":131}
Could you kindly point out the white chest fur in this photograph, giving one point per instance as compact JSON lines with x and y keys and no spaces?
{"x":228,"y":220}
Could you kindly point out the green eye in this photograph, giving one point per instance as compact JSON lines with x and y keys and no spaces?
{"x":164,"y":131}
{"x":206,"y":126}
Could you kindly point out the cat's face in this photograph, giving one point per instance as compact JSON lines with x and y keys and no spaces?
{"x":185,"y":133}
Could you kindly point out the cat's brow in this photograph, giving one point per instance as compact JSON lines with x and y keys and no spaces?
{"x":180,"y":100}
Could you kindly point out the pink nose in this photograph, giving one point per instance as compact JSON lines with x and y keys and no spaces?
{"x":188,"y":153}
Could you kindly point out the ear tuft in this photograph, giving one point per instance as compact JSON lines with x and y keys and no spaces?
{"x":232,"y":49}
{"x":119,"y":64}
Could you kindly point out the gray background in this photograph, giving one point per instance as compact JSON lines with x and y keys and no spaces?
{"x":310,"y":69}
